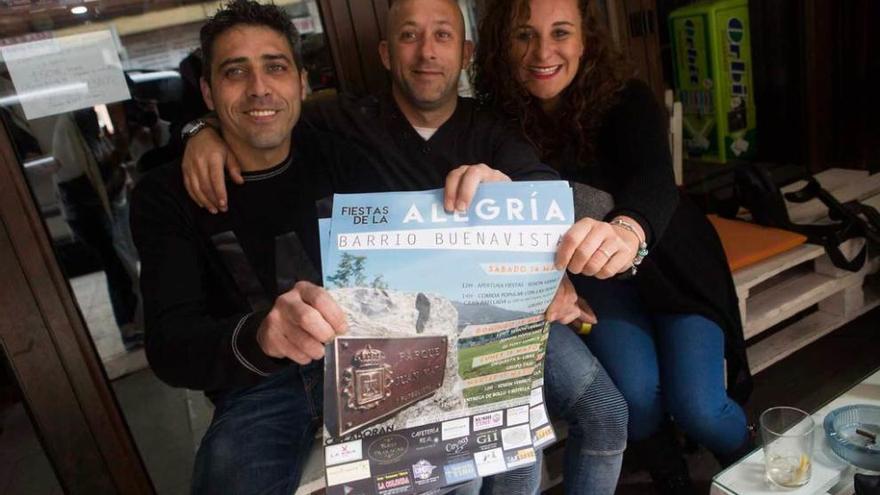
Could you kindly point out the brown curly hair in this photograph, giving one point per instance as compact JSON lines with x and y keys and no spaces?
{"x":602,"y":73}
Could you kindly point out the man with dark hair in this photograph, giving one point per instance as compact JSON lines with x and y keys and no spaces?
{"x":237,"y":14}
{"x":417,"y":137}
{"x":220,"y":291}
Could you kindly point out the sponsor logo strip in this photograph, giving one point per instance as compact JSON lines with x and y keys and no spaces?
{"x":518,"y":436}
{"x":537,"y":416}
{"x":488,"y":420}
{"x":543,"y":436}
{"x":521,"y":457}
{"x":393,"y":483}
{"x":490,"y":462}
{"x":456,"y":428}
{"x":537,"y":396}
{"x":517,"y":415}
{"x":343,"y":452}
{"x":459,"y":472}
{"x":337,"y":475}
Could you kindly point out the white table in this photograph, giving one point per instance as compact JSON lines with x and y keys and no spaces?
{"x":831,"y":475}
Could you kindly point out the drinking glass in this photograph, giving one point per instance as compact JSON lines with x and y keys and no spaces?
{"x":787,"y":433}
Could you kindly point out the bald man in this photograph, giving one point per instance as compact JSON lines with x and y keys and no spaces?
{"x":417,"y":136}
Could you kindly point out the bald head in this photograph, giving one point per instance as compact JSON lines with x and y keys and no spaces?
{"x":397,"y":9}
{"x":425,"y":52}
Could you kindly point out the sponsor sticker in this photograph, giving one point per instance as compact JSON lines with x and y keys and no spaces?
{"x":537,"y":396}
{"x":515,"y":437}
{"x":393,"y":483}
{"x":388,"y":449}
{"x":352,"y":489}
{"x":456,"y":446}
{"x":490,"y":462}
{"x":543,"y":435}
{"x":538,"y":416}
{"x":488,"y":420}
{"x":487,"y":439}
{"x":459,"y":472}
{"x":343,"y":452}
{"x":517,"y":415}
{"x":518,"y":458}
{"x":425,"y":473}
{"x":456,"y":428}
{"x":345,"y":473}
{"x":425,"y":438}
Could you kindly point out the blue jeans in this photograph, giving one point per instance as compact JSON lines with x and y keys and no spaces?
{"x":578,"y":390}
{"x":260,"y":437}
{"x":664,"y":364}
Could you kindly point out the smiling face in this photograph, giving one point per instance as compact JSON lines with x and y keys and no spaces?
{"x":425,"y":52}
{"x":256,"y":91}
{"x":546,"y":49}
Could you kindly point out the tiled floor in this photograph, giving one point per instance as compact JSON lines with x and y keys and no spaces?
{"x":94,"y":302}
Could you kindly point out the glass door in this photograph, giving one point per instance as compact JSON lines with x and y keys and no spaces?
{"x":93,"y":95}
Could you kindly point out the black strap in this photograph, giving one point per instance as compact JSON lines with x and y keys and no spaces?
{"x":757,"y":192}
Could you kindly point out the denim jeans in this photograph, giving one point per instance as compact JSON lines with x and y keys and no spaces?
{"x":577,"y":390}
{"x":664,"y":364}
{"x":260,"y":437}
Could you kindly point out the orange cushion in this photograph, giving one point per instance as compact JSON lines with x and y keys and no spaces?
{"x":747,"y":243}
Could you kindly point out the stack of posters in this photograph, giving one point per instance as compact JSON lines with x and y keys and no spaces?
{"x":439,"y":378}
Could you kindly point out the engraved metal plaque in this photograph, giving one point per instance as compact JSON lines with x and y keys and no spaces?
{"x":377,"y":377}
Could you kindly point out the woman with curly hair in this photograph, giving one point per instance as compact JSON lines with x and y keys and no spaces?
{"x":668,"y":322}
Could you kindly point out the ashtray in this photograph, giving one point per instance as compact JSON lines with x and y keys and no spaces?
{"x":853,"y":433}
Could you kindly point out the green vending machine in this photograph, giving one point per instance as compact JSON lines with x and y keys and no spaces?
{"x":711,"y":51}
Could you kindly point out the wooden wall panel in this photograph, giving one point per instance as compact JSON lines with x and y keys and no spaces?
{"x":354,"y":28}
{"x":635,"y":26}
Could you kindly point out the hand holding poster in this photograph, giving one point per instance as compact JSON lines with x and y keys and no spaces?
{"x":439,"y":379}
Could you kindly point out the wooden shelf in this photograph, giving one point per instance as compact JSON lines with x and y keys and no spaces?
{"x":803,"y":332}
{"x":790,"y":297}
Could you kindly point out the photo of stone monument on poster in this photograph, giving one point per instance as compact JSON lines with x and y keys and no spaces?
{"x":439,"y":379}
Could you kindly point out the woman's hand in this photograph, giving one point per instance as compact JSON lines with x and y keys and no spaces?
{"x":569,"y":309}
{"x":203,"y":160}
{"x":598,"y":249}
{"x":461,"y":185}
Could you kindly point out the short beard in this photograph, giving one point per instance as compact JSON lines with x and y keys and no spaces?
{"x":428,"y":105}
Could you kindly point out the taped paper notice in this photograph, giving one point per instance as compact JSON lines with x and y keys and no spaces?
{"x":60,"y":75}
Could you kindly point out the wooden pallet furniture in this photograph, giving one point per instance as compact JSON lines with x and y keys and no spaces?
{"x":803,"y":282}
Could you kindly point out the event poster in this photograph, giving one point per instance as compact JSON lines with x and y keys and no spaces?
{"x":439,"y":378}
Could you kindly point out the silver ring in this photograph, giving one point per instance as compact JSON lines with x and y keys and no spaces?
{"x":605,"y":253}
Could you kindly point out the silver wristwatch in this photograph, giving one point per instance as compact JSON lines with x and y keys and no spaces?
{"x":192,"y":128}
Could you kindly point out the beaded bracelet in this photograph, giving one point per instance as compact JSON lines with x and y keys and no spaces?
{"x":643,"y":246}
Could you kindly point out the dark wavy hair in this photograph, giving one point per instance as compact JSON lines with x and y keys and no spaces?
{"x":250,"y":13}
{"x":602,"y":73}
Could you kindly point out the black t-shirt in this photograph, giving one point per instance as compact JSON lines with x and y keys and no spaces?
{"x":207,"y":280}
{"x":406,"y":161}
